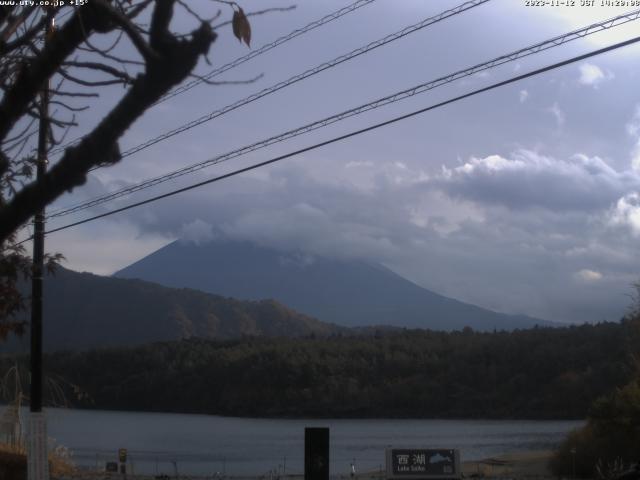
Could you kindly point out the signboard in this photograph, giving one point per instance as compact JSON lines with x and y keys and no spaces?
{"x":122,"y":455}
{"x":111,"y":467}
{"x":438,"y":463}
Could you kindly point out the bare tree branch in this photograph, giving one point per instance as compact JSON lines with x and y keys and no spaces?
{"x":106,"y":55}
{"x":125,"y":78}
{"x":32,"y":77}
{"x":24,"y":39}
{"x":90,"y":83}
{"x":174,"y":62}
{"x":68,"y":107}
{"x":129,"y":28}
{"x":63,"y":93}
{"x":83,"y":55}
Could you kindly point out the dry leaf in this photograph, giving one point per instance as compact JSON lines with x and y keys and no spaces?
{"x":241,"y":26}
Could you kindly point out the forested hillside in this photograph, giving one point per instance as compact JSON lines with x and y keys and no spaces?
{"x":83,"y":310}
{"x":537,"y":373}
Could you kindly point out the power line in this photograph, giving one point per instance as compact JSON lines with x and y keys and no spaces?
{"x":265,"y":48}
{"x":424,"y":87}
{"x":245,"y":58}
{"x":306,"y":74}
{"x":354,"y":133}
{"x":297,"y":78}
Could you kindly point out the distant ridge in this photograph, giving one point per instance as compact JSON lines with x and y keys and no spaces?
{"x":345,"y":292}
{"x":83,"y":310}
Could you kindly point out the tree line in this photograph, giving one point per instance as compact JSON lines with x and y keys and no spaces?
{"x":536,"y":373}
{"x":608,"y":446}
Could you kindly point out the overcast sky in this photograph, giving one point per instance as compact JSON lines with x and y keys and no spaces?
{"x":525,"y":199}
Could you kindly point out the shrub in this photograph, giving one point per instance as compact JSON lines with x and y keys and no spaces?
{"x":611,"y":436}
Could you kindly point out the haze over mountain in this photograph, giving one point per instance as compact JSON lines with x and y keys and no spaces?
{"x":82,"y":310}
{"x":345,"y":292}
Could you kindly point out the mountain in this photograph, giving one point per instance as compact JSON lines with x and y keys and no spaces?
{"x":345,"y":292}
{"x":82,"y":310}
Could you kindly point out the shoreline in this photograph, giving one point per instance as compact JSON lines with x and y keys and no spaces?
{"x":328,"y":418}
{"x":526,"y":464}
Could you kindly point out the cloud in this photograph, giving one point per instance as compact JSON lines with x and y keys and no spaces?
{"x":633,"y":126}
{"x":528,"y":219}
{"x":400,"y":165}
{"x":580,"y":17}
{"x":592,"y":75}
{"x":635,"y":156}
{"x":526,"y":179}
{"x":197,"y":232}
{"x":357,"y":164}
{"x":627,"y":212}
{"x":503,"y":230}
{"x":557,"y":112}
{"x":523,"y":96}
{"x":297,"y":259}
{"x":104,"y":247}
{"x":633,"y":129}
{"x":588,"y":276}
{"x":306,"y":225}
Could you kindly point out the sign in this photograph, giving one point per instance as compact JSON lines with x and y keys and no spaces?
{"x":111,"y":467}
{"x":122,"y":455}
{"x":439,"y":463}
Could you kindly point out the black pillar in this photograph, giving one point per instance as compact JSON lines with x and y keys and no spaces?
{"x":316,"y":453}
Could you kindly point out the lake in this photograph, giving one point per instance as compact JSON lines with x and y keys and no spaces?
{"x":206,"y":444}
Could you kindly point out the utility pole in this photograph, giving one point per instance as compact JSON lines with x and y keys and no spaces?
{"x":38,"y":463}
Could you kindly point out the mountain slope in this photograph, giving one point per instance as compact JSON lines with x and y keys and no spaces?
{"x":350,"y":293}
{"x":82,"y":310}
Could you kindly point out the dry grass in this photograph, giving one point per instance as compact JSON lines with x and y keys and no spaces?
{"x":6,"y":449}
{"x":59,"y":459}
{"x":514,"y":465}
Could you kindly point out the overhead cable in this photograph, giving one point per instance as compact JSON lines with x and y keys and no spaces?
{"x":265,"y":48}
{"x":302,"y":76}
{"x":245,"y":58}
{"x":306,"y":74}
{"x":421,"y":88}
{"x":353,"y":134}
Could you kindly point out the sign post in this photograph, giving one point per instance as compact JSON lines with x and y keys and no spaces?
{"x":122,"y":456}
{"x":316,"y":453}
{"x":423,"y":463}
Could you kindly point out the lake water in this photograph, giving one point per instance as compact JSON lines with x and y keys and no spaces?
{"x":205,"y":444}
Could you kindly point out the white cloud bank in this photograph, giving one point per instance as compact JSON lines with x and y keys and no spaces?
{"x":627,"y":213}
{"x":588,"y":276}
{"x":591,"y":75}
{"x":527,"y":179}
{"x":197,"y":232}
{"x":503,"y":231}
